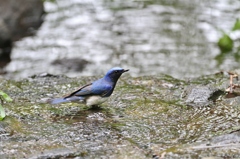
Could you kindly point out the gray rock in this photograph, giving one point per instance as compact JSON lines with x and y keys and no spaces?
{"x":76,"y":64}
{"x":17,"y":19}
{"x":202,"y":95}
{"x":146,"y":117}
{"x":54,"y":153}
{"x":21,"y":16}
{"x":227,"y":138}
{"x":5,"y":44}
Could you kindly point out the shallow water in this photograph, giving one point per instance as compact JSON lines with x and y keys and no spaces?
{"x":148,"y":37}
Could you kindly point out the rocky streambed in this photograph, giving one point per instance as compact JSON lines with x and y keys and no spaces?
{"x":146,"y":117}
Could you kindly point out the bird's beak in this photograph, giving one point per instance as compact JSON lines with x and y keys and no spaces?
{"x":125,"y":70}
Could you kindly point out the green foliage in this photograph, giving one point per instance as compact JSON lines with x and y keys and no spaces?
{"x":226,"y":44}
{"x":2,"y":113}
{"x":3,"y":97}
{"x":236,"y":25}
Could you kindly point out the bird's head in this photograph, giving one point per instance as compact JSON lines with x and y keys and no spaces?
{"x":114,"y":73}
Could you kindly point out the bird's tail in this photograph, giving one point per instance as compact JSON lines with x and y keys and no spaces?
{"x":57,"y":100}
{"x":68,"y":99}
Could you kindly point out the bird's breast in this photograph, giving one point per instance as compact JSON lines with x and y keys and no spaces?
{"x":95,"y":100}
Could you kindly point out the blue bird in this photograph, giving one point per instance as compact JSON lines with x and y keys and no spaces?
{"x":96,"y":92}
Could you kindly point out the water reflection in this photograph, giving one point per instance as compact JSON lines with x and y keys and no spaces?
{"x":149,"y":37}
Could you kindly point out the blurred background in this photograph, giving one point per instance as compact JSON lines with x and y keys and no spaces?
{"x":181,"y":38}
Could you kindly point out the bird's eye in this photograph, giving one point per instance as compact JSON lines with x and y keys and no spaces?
{"x":116,"y":71}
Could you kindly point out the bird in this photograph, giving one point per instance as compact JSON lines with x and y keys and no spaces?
{"x":95,"y":93}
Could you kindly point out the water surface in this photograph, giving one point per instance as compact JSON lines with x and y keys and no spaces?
{"x":148,"y":37}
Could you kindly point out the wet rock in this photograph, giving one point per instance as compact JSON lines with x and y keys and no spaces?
{"x":17,"y":19}
{"x":226,"y":139}
{"x":5,"y":44}
{"x":223,"y":143}
{"x":44,"y":75}
{"x":54,"y":153}
{"x":145,"y":117}
{"x":71,"y":64}
{"x":3,"y":132}
{"x":202,"y":95}
{"x":212,"y":157}
{"x":21,"y":17}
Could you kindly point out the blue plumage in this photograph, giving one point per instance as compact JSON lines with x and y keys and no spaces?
{"x":96,"y":92}
{"x":58,"y":100}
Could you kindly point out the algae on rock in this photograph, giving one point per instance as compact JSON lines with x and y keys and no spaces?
{"x":144,"y":117}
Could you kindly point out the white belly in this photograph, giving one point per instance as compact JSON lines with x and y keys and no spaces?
{"x":95,"y":100}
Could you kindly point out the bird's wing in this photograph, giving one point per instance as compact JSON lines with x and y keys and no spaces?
{"x":98,"y":87}
{"x":102,"y":90}
{"x":82,"y":91}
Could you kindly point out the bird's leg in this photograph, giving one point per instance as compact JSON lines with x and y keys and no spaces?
{"x":232,"y":85}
